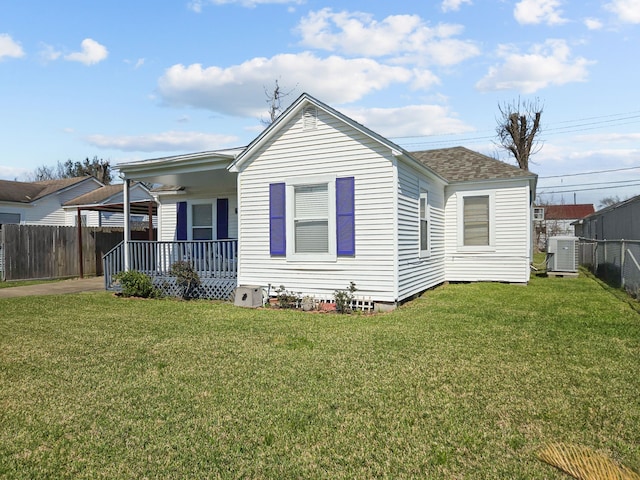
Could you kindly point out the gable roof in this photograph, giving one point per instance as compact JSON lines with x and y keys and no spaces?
{"x":615,"y":206}
{"x":459,"y":164}
{"x":27,"y":192}
{"x":568,"y":212}
{"x":296,"y":106}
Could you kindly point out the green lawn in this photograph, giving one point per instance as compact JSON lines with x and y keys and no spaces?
{"x":468,"y":381}
{"x":23,"y":283}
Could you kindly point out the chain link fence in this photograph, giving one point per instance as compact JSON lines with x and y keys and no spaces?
{"x":616,"y":262}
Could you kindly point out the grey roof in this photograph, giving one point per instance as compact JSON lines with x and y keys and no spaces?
{"x":96,"y":196}
{"x":27,"y":192}
{"x":459,"y":164}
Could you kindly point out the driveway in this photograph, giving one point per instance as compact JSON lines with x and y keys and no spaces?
{"x":76,"y":285}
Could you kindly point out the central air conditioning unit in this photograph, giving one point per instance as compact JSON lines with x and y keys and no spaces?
{"x":563,"y":254}
{"x":248,"y":296}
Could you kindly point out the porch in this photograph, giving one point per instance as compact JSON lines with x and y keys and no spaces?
{"x":215,"y":261}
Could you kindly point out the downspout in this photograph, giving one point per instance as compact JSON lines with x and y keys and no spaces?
{"x":127,"y":224}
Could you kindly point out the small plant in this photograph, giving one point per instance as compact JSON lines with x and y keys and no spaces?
{"x":344,"y":298}
{"x":287,"y":299}
{"x":136,"y":284}
{"x":187,"y":278}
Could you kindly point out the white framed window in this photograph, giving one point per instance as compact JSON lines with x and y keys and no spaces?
{"x":538,"y":213}
{"x":424,"y":222}
{"x":202,"y":221}
{"x":476,"y":224}
{"x":311,"y":218}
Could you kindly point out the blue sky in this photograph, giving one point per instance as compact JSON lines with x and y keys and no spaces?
{"x":129,"y":80}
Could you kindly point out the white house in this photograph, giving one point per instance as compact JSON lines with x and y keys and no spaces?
{"x":56,"y":202}
{"x":318,"y":201}
{"x":40,"y":203}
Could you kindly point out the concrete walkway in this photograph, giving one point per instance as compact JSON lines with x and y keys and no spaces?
{"x":76,"y":285}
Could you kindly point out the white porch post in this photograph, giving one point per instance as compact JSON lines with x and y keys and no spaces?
{"x":127,"y":224}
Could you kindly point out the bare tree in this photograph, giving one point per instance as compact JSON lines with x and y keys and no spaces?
{"x":98,"y":168}
{"x":608,"y":201}
{"x":274,"y":100}
{"x":518,"y":128}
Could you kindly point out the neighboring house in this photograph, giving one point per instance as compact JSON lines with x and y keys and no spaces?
{"x":558,"y":220}
{"x":616,"y":222}
{"x":107,"y":202}
{"x":318,"y":201}
{"x":40,"y":203}
{"x":56,"y":202}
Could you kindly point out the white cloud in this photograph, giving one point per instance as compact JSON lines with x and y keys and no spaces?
{"x":356,"y":33}
{"x":411,"y":120}
{"x":163,"y":142}
{"x":92,"y":53}
{"x":453,"y":5}
{"x":8,"y":172}
{"x":196,"y":5}
{"x":48,"y":53}
{"x":593,"y":23}
{"x":239,"y":89}
{"x":628,"y":11}
{"x":538,"y":11}
{"x":9,"y":47}
{"x":546,"y":64}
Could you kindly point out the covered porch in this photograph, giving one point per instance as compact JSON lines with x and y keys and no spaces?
{"x":214,"y":261}
{"x":197,"y":223}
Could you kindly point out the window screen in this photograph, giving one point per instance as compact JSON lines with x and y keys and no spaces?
{"x":311,"y":219}
{"x":202,"y":221}
{"x":476,"y":220}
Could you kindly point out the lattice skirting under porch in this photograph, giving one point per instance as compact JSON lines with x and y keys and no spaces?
{"x":209,"y":288}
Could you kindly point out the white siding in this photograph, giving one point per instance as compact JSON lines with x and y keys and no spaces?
{"x":332,"y":148}
{"x":46,"y":211}
{"x":416,"y":273}
{"x":507,"y":260}
{"x":167,"y":218}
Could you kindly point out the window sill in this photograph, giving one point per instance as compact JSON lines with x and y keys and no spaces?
{"x":311,"y":258}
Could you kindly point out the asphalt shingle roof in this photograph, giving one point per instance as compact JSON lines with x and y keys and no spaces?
{"x":459,"y":164}
{"x":27,"y":192}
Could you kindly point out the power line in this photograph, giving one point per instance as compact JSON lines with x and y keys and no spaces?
{"x":612,"y":183}
{"x":551,"y":130}
{"x":591,"y":173}
{"x":571,"y":190}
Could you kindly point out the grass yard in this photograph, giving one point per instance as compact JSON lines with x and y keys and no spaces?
{"x":24,"y":283}
{"x":468,"y":381}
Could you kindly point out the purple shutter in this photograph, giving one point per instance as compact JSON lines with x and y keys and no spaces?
{"x":345,"y":216}
{"x":222,"y":218}
{"x":277,"y":219}
{"x":181,"y":228}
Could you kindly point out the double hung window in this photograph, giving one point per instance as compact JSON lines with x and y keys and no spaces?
{"x":312,"y":218}
{"x":476,"y":220}
{"x":424,"y":222}
{"x":202,"y":221}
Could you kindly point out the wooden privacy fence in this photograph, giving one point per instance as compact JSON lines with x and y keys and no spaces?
{"x":44,"y":251}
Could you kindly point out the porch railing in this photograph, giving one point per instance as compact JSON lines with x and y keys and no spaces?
{"x":215,"y":261}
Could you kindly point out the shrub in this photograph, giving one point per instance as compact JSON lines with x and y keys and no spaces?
{"x":287,"y":299}
{"x":136,"y":284}
{"x":187,"y":278}
{"x":344,"y":298}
